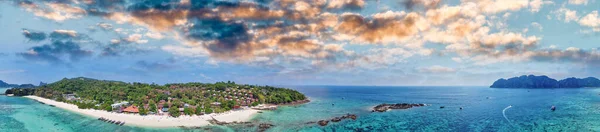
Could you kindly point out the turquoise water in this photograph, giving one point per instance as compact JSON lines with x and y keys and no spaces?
{"x":577,"y":110}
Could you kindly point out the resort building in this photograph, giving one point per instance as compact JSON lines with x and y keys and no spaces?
{"x":131,"y":109}
{"x":70,"y":97}
{"x":119,"y":105}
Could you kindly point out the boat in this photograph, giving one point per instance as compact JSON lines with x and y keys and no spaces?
{"x":52,"y":106}
{"x":553,"y":108}
{"x":118,"y":122}
{"x":122,"y":123}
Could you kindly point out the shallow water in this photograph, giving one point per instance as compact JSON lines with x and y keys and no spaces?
{"x":577,"y":110}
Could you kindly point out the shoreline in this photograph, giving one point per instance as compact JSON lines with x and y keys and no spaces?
{"x":155,"y":121}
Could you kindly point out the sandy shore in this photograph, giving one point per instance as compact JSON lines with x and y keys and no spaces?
{"x":155,"y":120}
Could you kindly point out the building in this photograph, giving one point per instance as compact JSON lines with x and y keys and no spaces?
{"x":70,"y":97}
{"x":131,"y":109}
{"x":118,"y":105}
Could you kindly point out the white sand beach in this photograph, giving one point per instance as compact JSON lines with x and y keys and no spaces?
{"x":155,"y":120}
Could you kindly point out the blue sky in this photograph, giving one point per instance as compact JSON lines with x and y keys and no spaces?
{"x":312,"y":42}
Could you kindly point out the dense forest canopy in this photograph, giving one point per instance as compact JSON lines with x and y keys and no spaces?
{"x":93,"y":93}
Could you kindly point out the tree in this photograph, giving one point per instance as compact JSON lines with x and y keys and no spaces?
{"x":198,"y":111}
{"x":188,"y":111}
{"x":106,"y":106}
{"x":208,"y":110}
{"x":152,"y":106}
{"x":143,"y":111}
{"x":174,"y":111}
{"x":254,"y":104}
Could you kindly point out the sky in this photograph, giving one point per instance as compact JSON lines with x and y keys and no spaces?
{"x":298,"y":42}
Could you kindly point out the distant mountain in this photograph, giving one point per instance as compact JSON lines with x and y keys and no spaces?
{"x":6,"y":85}
{"x":532,"y":81}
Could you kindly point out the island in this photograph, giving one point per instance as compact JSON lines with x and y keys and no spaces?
{"x":170,"y":105}
{"x":532,"y":81}
{"x":385,"y":107}
{"x":7,"y":85}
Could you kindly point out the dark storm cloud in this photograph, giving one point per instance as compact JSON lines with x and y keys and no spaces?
{"x":34,"y":35}
{"x":229,"y":35}
{"x":56,"y":52}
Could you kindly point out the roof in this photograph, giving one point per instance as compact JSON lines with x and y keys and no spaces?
{"x":131,"y":109}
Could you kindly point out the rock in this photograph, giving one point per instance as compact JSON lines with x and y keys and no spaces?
{"x":353,"y":117}
{"x":323,"y":122}
{"x":264,"y":126}
{"x":385,"y":107}
{"x":336,"y":119}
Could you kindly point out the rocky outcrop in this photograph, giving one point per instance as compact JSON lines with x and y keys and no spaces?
{"x":386,"y":107}
{"x":323,"y":122}
{"x":532,"y":81}
{"x":264,"y":126}
{"x":335,"y":119}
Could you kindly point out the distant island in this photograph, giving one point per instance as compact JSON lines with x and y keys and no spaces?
{"x":7,"y":85}
{"x":109,"y":100}
{"x":532,"y":81}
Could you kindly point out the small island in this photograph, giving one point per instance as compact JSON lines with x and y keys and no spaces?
{"x":153,"y":105}
{"x":385,"y":107}
{"x":532,"y":81}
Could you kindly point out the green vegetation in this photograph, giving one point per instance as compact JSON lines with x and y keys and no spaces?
{"x":174,"y":111}
{"x":100,"y":94}
{"x":208,"y":110}
{"x":143,"y":111}
{"x":188,"y":111}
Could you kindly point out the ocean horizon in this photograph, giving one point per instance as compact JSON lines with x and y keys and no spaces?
{"x":482,"y":110}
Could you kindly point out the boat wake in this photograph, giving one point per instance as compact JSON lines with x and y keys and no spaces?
{"x":504,"y":113}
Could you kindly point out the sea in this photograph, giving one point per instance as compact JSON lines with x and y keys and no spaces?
{"x":483,"y":109}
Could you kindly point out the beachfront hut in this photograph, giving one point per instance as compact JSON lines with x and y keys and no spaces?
{"x":131,"y":109}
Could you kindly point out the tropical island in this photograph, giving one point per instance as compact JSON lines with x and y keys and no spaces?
{"x":169,"y":105}
{"x":7,"y":85}
{"x":532,"y":81}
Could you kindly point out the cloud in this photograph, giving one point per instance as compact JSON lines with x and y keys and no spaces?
{"x":571,"y":54}
{"x":312,"y":34}
{"x":53,"y":10}
{"x":105,"y":26}
{"x":566,"y":14}
{"x":591,"y":20}
{"x":537,"y":25}
{"x":186,"y":51}
{"x":135,"y":38}
{"x":536,"y":5}
{"x":578,"y":2}
{"x":436,"y":69}
{"x":63,"y":34}
{"x":33,"y":35}
{"x":56,"y":52}
{"x":346,"y":4}
{"x":152,"y":66}
{"x":12,"y":71}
